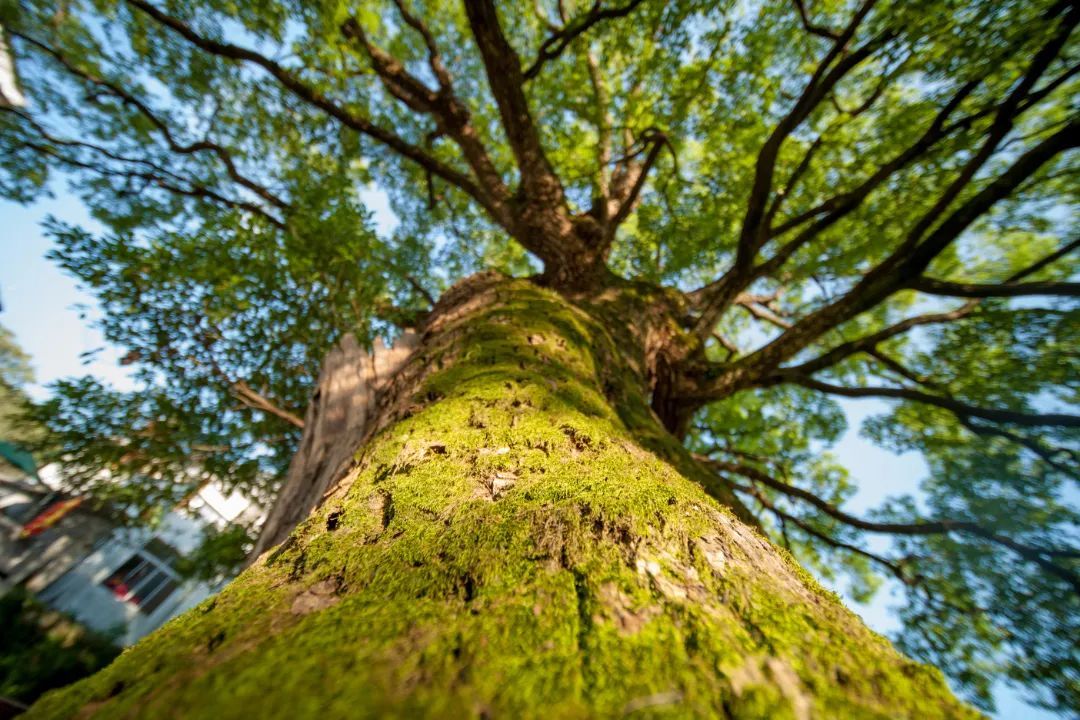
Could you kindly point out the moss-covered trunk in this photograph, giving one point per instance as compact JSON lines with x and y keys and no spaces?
{"x":520,"y":538}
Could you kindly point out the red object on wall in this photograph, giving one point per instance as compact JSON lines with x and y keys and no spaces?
{"x":49,"y":517}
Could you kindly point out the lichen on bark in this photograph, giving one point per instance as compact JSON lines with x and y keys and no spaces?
{"x":519,"y":537}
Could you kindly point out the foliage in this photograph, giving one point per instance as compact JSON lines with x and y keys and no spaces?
{"x":40,"y":650}
{"x":16,"y":423}
{"x":868,"y":199}
{"x":220,"y":554}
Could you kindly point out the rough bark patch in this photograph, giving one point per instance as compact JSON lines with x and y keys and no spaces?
{"x":619,"y":607}
{"x":343,"y":405}
{"x":319,"y":596}
{"x":773,"y":672}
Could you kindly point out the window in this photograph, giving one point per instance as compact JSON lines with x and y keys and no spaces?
{"x":147,"y":578}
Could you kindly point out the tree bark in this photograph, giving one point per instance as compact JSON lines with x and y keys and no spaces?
{"x":518,"y":536}
{"x":339,"y":417}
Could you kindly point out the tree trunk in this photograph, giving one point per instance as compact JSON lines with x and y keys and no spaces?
{"x":518,"y":537}
{"x":343,"y":408}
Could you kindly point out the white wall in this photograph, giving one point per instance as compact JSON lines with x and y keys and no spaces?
{"x":81,"y":593}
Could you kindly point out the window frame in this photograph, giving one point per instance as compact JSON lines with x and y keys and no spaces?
{"x":145,"y":591}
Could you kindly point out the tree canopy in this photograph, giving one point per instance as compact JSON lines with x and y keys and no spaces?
{"x":849,"y":199}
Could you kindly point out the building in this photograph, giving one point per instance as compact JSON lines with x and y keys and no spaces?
{"x":36,"y":559}
{"x":120,"y":581}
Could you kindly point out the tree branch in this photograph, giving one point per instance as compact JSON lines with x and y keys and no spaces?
{"x":604,"y":130}
{"x":256,"y":401}
{"x":715,"y":298}
{"x":1046,"y":454}
{"x":163,"y":181}
{"x":761,"y":312}
{"x":812,"y":28}
{"x":1046,"y":261}
{"x":503,"y":69}
{"x":558,"y":41}
{"x":910,"y":259}
{"x":961,"y":409}
{"x":1039,"y":449}
{"x":840,"y":205}
{"x":932,"y":286}
{"x":899,"y":369}
{"x":314,"y":97}
{"x":869,"y":342}
{"x":104,"y":152}
{"x":452,"y":116}
{"x":1040,"y":556}
{"x":895,"y":568}
{"x":223,"y":155}
{"x":543,"y":222}
{"x":434,"y":57}
{"x":792,"y":181}
{"x":636,"y":176}
{"x":421,"y":290}
{"x":921,"y":245}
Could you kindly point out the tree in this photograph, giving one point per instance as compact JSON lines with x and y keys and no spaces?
{"x":16,"y":423}
{"x":733,"y":213}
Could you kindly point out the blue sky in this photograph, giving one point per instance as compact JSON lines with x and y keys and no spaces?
{"x":41,"y":306}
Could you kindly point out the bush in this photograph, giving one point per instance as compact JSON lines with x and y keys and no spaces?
{"x":40,"y":649}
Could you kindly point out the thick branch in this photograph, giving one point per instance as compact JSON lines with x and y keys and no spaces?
{"x":817,"y":89}
{"x":453,"y":117}
{"x":503,"y":69}
{"x":715,"y":298}
{"x":543,"y":222}
{"x":909,"y":261}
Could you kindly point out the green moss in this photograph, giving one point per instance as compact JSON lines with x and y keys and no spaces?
{"x":512,"y":547}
